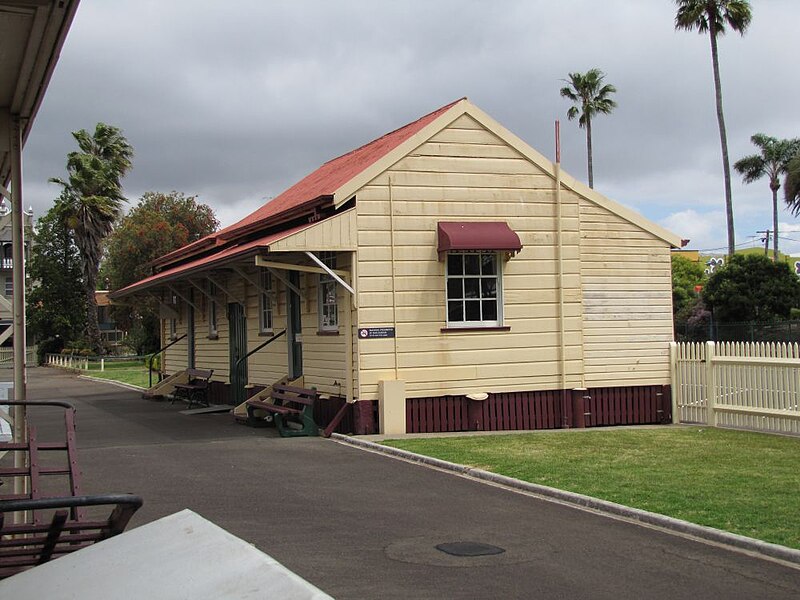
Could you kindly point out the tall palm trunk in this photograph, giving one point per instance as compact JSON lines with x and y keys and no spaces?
{"x":92,"y":327}
{"x":589,"y":151}
{"x":90,"y":271}
{"x":774,"y":186}
{"x":723,"y":137}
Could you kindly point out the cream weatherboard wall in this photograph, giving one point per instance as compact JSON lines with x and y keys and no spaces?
{"x":323,"y":355}
{"x":465,"y":172}
{"x":627,"y":301}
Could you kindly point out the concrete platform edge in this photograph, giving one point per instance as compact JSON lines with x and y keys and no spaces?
{"x":127,"y":386}
{"x":718,"y":536}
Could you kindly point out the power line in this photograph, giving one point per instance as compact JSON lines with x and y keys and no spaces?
{"x":725,"y":247}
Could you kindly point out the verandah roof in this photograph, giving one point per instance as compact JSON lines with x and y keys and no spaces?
{"x":321,"y":183}
{"x":205,"y":263}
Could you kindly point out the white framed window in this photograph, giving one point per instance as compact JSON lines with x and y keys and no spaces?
{"x":265,"y":302}
{"x":474,"y":289}
{"x":212,"y":310}
{"x":328,"y":307}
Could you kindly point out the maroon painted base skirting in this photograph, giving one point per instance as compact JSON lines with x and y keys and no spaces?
{"x":550,"y":409}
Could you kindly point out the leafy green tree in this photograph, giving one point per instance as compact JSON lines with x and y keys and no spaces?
{"x":751,"y":287}
{"x":712,"y":17}
{"x":772,"y":163}
{"x":55,"y":308}
{"x":791,"y":186}
{"x":158,"y":224}
{"x":686,"y":276}
{"x":92,"y":202}
{"x":591,"y":97}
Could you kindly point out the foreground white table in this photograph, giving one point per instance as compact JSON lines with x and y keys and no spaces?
{"x":182,"y":556}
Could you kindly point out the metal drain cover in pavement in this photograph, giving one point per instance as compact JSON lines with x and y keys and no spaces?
{"x":469,"y":549}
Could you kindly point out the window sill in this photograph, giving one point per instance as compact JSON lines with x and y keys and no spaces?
{"x":472,"y":329}
{"x":213,"y":336}
{"x":328,"y":332}
{"x":266,"y":333}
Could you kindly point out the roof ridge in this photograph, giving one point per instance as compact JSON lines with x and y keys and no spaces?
{"x":394,"y":131}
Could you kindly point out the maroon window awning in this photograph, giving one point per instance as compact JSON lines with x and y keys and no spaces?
{"x":496,"y":236}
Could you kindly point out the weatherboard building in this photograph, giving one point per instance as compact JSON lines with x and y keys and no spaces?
{"x":443,"y":277}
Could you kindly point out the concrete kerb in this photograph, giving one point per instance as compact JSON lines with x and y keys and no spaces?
{"x":127,"y":386}
{"x":702,"y":532}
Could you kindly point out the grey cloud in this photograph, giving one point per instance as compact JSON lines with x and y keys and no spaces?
{"x":236,"y":101}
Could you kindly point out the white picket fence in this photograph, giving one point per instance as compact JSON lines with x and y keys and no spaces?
{"x":67,"y":361}
{"x":7,"y":356}
{"x":744,"y":385}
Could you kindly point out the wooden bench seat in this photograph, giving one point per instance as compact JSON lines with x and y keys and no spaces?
{"x":289,"y":406}
{"x":195,"y":390}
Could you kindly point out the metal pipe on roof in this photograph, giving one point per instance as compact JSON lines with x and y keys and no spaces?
{"x":560,"y":234}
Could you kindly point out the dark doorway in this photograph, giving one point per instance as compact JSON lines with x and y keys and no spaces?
{"x":295,"y":328}
{"x":237,"y":322}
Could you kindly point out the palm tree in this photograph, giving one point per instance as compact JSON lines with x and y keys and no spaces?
{"x":591,"y":98}
{"x":713,"y":16}
{"x":93,"y":201}
{"x":791,"y":186}
{"x":772,"y":162}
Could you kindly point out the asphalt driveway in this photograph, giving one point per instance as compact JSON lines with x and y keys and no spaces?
{"x":362,"y":525}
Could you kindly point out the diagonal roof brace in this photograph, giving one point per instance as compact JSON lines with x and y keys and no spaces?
{"x":182,"y":297}
{"x":166,"y":311}
{"x":330,"y":272}
{"x":203,"y":290}
{"x":253,"y":281}
{"x":286,"y":282}
{"x":225,"y":291}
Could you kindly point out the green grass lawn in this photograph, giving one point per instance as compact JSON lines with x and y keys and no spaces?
{"x":125,"y":372}
{"x":746,"y":483}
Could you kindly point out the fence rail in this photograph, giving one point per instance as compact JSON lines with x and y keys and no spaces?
{"x":743,"y":385}
{"x":99,"y":363}
{"x":7,"y":356}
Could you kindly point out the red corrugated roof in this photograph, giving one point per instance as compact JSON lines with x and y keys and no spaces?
{"x":321,"y":183}
{"x":206,"y":262}
{"x":335,"y":173}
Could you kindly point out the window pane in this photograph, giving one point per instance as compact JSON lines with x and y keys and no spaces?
{"x":454,"y":289}
{"x":489,"y":288}
{"x":473,"y":310}
{"x":472,"y":288}
{"x":490,"y":310}
{"x":488,"y":264}
{"x":455,"y":311}
{"x":455,"y":264}
{"x":472,"y":264}
{"x":330,"y":293}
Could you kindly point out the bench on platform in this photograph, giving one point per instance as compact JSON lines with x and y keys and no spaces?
{"x":195,"y":389}
{"x":291,"y":407}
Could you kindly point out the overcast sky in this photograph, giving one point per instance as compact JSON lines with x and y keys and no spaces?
{"x":235,"y":101}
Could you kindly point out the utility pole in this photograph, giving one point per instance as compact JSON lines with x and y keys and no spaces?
{"x":765,"y":239}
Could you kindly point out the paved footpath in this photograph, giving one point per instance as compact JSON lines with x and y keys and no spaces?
{"x":362,"y":525}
